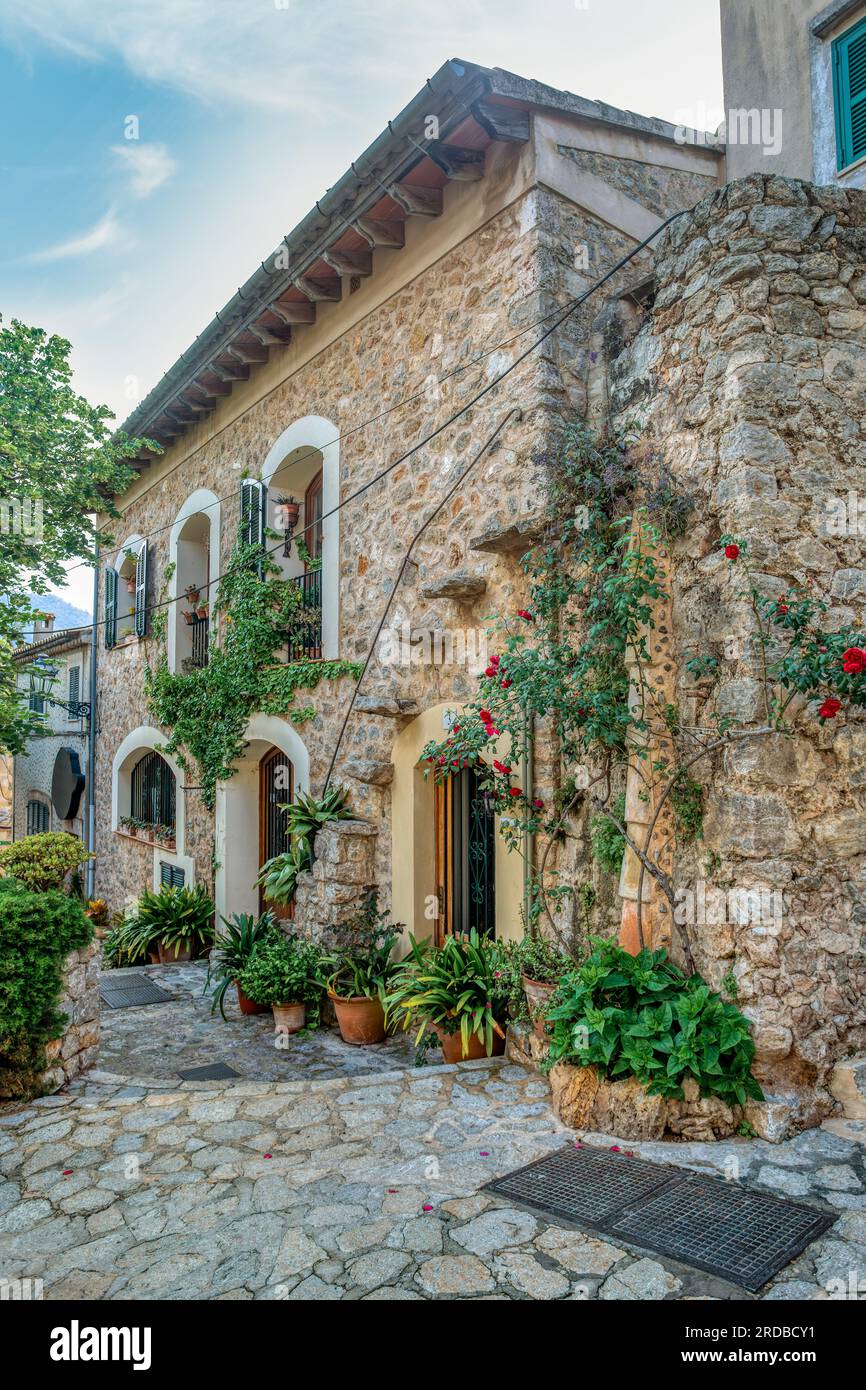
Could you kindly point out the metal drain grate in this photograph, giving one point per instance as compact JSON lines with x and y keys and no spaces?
{"x":720,"y":1227}
{"x":132,"y":994}
{"x":742,"y":1236}
{"x":593,"y":1189}
{"x":215,"y":1071}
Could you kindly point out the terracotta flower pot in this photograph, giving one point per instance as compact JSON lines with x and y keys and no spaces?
{"x":247,"y":1005}
{"x":188,"y":617}
{"x":452,"y":1047}
{"x":360,"y":1020}
{"x":289,"y":1018}
{"x":153,"y":956}
{"x":537,"y":998}
{"x":167,"y":954}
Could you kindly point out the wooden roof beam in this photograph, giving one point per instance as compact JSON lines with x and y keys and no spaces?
{"x":465,"y":166}
{"x":502,"y":122}
{"x":294,"y":311}
{"x":349,"y":262}
{"x":213,"y":387}
{"x":269,"y":335}
{"x":233,"y":371}
{"x":245,"y":353}
{"x":315,"y":290}
{"x":387,"y":234}
{"x":416,"y":200}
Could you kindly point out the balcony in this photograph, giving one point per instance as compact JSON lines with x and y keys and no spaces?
{"x":305,"y":644}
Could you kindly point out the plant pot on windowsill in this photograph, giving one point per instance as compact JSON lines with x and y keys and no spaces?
{"x":289,"y":1017}
{"x":361,"y":1020}
{"x":188,"y":616}
{"x":130,"y":586}
{"x":537,"y":999}
{"x":201,"y":611}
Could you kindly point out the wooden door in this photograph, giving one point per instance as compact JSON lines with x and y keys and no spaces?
{"x":276,"y":788}
{"x":465,"y":857}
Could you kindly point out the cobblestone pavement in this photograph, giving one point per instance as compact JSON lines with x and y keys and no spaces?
{"x":356,"y":1187}
{"x":160,"y":1040}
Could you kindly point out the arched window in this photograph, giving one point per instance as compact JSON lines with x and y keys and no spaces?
{"x":194,"y":546}
{"x":153,"y":798}
{"x":126,"y":593}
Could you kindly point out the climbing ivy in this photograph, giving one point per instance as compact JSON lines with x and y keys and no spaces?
{"x":207,"y":710}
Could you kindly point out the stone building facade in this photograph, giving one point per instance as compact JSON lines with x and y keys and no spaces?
{"x":740,"y":346}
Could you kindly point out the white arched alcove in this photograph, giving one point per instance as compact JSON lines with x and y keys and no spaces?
{"x":142,"y":740}
{"x":306,"y":445}
{"x":202,"y":504}
{"x":237,"y":811}
{"x":124,"y":563}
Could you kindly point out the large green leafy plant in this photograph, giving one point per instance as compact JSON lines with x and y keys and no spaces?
{"x":641,"y":1016}
{"x":284,"y":970}
{"x":235,"y":945}
{"x":37,"y":932}
{"x":305,"y":817}
{"x":363,"y":956}
{"x":461,"y":987}
{"x":177,"y":917}
{"x":42,"y":862}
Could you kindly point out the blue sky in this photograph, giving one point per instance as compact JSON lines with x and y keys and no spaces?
{"x":246,"y":111}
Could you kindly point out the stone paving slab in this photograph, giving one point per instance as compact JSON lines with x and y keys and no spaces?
{"x":157,"y":1041}
{"x":356,"y":1187}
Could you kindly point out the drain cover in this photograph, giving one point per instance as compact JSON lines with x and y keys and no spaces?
{"x":720,"y":1227}
{"x":132,"y":994}
{"x":742,"y":1236}
{"x":593,"y":1189}
{"x":216,"y":1071}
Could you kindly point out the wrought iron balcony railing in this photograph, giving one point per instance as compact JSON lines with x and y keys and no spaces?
{"x":305,"y":643}
{"x":200,"y":629}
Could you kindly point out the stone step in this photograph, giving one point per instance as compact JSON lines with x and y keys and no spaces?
{"x":848,"y":1087}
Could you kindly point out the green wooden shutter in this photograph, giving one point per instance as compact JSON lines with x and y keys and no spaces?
{"x":254,"y":513}
{"x":849,"y":79}
{"x":74,"y":695}
{"x":141,"y":591}
{"x":110,"y":607}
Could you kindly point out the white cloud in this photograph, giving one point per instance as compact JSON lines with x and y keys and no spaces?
{"x":147,"y":165}
{"x":106,"y":232}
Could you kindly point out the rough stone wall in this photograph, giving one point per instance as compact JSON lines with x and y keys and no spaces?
{"x":751,"y":376}
{"x":76,"y":1050}
{"x":345,"y":865}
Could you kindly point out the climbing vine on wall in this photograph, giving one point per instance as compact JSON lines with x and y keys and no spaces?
{"x":576,"y":656}
{"x":207,"y":710}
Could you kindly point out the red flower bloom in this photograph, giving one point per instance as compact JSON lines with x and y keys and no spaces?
{"x":854,"y":661}
{"x":515,"y":791}
{"x":781,"y":609}
{"x":494,"y":661}
{"x":538,"y":804}
{"x":830,"y":708}
{"x":525,"y":615}
{"x":505,"y":684}
{"x":731,"y":552}
{"x":491,"y":671}
{"x":485,"y":716}
{"x":502,"y":767}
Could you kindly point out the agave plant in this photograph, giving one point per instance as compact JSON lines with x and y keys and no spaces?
{"x":461,"y":987}
{"x":234,"y":950}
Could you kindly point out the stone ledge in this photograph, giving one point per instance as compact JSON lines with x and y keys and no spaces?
{"x":459,"y":585}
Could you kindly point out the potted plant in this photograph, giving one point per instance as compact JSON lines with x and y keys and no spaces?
{"x":364,"y":968}
{"x":181,"y":919}
{"x":534,"y":967}
{"x":192,"y":594}
{"x":459,"y":992}
{"x":165,"y":834}
{"x":129,"y":942}
{"x":284,"y":972}
{"x":188,"y":616}
{"x":202,"y":610}
{"x":234,"y":948}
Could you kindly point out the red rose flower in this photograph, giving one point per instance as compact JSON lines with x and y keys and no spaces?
{"x":538,"y":804}
{"x":515,"y":791}
{"x":525,"y":615}
{"x":494,"y":661}
{"x":485,"y":716}
{"x":502,"y":767}
{"x":781,"y":609}
{"x":505,"y":684}
{"x":731,"y":552}
{"x":830,"y":708}
{"x":854,"y":661}
{"x":491,"y":671}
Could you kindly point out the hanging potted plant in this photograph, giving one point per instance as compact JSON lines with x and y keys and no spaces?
{"x":459,"y":992}
{"x":188,"y":616}
{"x":192,"y":593}
{"x":284,"y":972}
{"x":358,"y":985}
{"x":233,"y":951}
{"x":202,"y":610}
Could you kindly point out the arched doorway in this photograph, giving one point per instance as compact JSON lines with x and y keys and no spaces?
{"x":276,"y":790}
{"x":273,"y":769}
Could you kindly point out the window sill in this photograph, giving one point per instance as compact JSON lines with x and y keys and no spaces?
{"x":147,"y":840}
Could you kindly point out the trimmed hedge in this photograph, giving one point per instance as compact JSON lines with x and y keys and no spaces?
{"x":37,"y":932}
